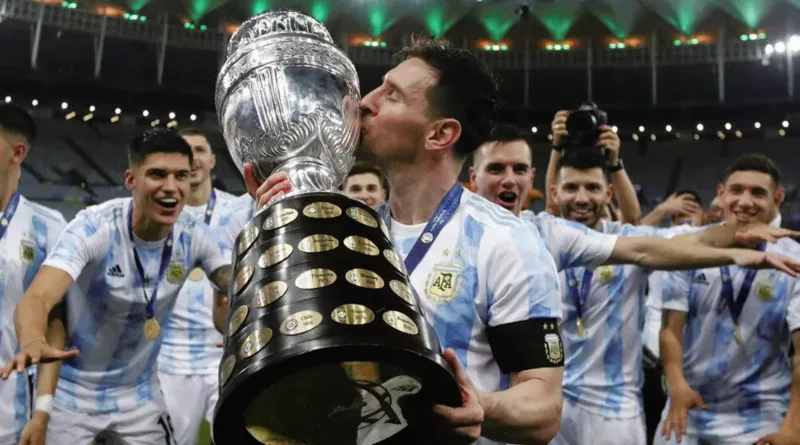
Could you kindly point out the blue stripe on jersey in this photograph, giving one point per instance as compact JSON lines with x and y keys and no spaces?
{"x":613,"y":360}
{"x":197,"y":328}
{"x":21,"y":408}
{"x":576,"y":366}
{"x":453,"y":321}
{"x":539,"y":277}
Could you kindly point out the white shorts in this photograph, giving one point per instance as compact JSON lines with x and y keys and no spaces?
{"x":189,"y":398}
{"x":580,"y":427}
{"x":146,"y":425}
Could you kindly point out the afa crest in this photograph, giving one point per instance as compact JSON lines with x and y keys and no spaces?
{"x":606,"y":273}
{"x":553,"y":349}
{"x":444,"y":282}
{"x":175,"y":273}
{"x":764,"y":292}
{"x":27,"y":251}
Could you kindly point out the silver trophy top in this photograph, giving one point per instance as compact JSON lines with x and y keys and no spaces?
{"x":287,"y":99}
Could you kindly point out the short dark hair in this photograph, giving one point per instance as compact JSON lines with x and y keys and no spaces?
{"x":583,"y":159}
{"x":695,"y":196}
{"x":16,"y":120}
{"x":504,"y":133}
{"x":157,"y":140}
{"x":361,"y":168}
{"x":192,"y":131}
{"x":466,"y":90}
{"x":754,"y":162}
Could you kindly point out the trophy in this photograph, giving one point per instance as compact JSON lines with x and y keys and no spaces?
{"x":326,"y":342}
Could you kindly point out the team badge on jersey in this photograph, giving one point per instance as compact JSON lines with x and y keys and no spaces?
{"x":765,"y":292}
{"x":606,"y":273}
{"x":553,"y":349}
{"x":27,"y":251}
{"x":175,"y":273}
{"x":444,"y":282}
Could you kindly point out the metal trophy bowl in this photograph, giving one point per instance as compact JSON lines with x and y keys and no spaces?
{"x":326,"y":340}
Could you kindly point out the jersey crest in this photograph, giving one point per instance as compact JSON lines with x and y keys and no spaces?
{"x":444,"y":282}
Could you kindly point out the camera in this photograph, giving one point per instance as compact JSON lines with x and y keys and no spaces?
{"x":583,"y":126}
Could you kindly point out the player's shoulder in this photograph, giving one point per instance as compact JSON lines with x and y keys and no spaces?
{"x":105,"y":212}
{"x":52,"y":216}
{"x":490,"y":215}
{"x":224,"y":197}
{"x":788,"y":247}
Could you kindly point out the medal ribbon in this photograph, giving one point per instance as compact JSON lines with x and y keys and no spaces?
{"x":736,"y":306}
{"x":579,"y":297}
{"x":447,"y":208}
{"x":8,"y":214}
{"x":166,"y":254}
{"x":212,"y":201}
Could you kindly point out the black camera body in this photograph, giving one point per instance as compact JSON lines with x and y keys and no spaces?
{"x":583,"y":126}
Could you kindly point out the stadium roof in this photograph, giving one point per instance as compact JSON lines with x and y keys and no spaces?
{"x":497,"y":17}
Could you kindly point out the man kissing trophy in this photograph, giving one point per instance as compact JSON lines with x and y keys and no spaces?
{"x":325,"y":333}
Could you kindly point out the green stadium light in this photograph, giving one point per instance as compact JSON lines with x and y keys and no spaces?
{"x":203,"y":27}
{"x":743,"y":37}
{"x":503,"y":47}
{"x":753,"y":36}
{"x":383,"y":44}
{"x":762,"y":36}
{"x":676,"y":42}
{"x":694,"y":41}
{"x":549,"y":47}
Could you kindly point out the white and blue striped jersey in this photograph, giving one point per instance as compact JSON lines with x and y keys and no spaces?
{"x":189,"y":345}
{"x":502,"y":273}
{"x":571,"y":244}
{"x":30,"y":235}
{"x":115,"y":371}
{"x":743,"y":385}
{"x":233,"y":217}
{"x":603,"y":368}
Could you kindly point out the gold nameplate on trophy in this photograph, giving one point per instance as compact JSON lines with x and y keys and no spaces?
{"x":362,"y":216}
{"x":270,"y":293}
{"x":353,"y":314}
{"x":226,"y":369}
{"x":318,"y":243}
{"x":402,"y":291}
{"x":237,"y":318}
{"x":392,"y":257}
{"x":242,"y":278}
{"x":274,"y":255}
{"x":385,"y":230}
{"x":279,"y":219}
{"x":361,"y":245}
{"x":255,"y":342}
{"x":401,"y":322}
{"x":364,"y":278}
{"x":322,"y":210}
{"x":301,"y":322}
{"x":247,"y":238}
{"x":315,"y":279}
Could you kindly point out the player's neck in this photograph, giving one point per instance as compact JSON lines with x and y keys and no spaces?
{"x":199,"y":194}
{"x":417,"y":190}
{"x":7,"y":188}
{"x":146,"y":229}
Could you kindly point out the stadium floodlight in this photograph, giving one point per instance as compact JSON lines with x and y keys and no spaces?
{"x":769,"y":49}
{"x":92,"y":108}
{"x":669,"y":128}
{"x":794,"y":43}
{"x":780,"y":47}
{"x":35,"y":103}
{"x":8,"y":99}
{"x":534,"y":130}
{"x":728,"y":126}
{"x":193,"y":117}
{"x":145,"y":113}
{"x":700,"y":127}
{"x":785,"y":124}
{"x":757,"y":125}
{"x":641,"y":128}
{"x":118,"y":111}
{"x":653,"y":137}
{"x":64,"y":105}
{"x":171,"y":115}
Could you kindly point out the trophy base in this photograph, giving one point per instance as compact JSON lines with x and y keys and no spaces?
{"x":341,"y":391}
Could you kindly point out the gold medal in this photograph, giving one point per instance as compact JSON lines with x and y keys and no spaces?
{"x":151,"y":329}
{"x":197,"y":274}
{"x":737,"y":335}
{"x":581,"y":328}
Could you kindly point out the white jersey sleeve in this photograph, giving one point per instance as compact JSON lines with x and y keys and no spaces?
{"x":522,"y":282}
{"x":209,"y":251}
{"x":83,"y":240}
{"x":793,"y":310}
{"x":572,"y":244}
{"x":236,"y":215}
{"x":675,"y":290}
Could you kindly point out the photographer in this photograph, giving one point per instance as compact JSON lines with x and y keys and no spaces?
{"x":588,"y":127}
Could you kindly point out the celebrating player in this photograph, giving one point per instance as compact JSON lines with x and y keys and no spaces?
{"x":189,"y":357}
{"x":726,"y":333}
{"x":129,"y":257}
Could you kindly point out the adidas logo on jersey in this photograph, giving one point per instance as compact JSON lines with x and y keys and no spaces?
{"x":116,"y":271}
{"x":700,"y":279}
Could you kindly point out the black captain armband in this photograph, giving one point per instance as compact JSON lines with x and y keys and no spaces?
{"x":527,"y":344}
